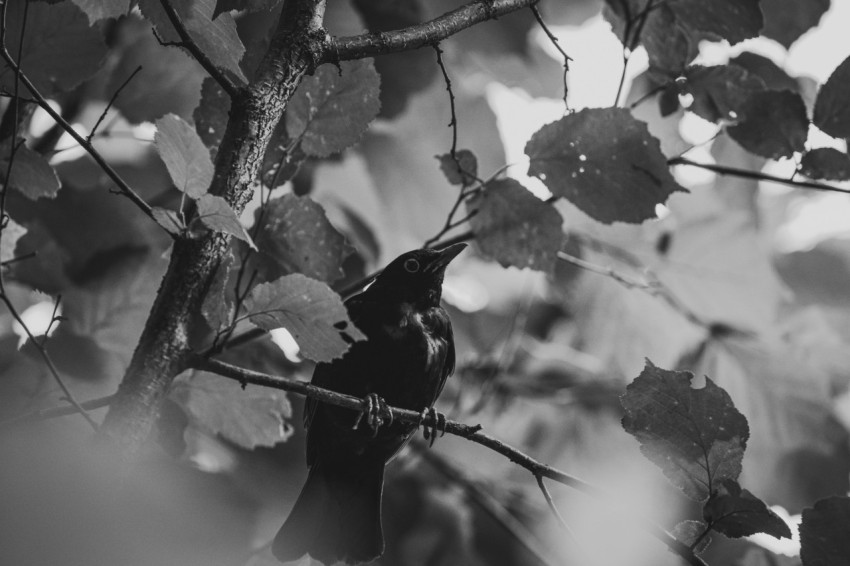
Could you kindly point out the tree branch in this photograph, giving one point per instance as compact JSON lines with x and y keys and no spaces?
{"x":472,"y":433}
{"x":420,"y":35}
{"x":187,"y":43}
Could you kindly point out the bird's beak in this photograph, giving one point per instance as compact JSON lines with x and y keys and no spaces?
{"x":446,"y":256}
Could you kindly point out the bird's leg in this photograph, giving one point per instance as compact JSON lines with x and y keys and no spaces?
{"x":438,"y":424}
{"x":376,"y":411}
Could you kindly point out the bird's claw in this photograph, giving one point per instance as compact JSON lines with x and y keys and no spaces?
{"x":377,"y":413}
{"x":437,"y":424}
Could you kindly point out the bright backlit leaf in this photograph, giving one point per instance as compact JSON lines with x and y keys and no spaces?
{"x":184,"y":154}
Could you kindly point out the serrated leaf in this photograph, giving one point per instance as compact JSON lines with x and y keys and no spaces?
{"x":309,"y":310}
{"x":737,"y":513}
{"x":696,"y":436}
{"x":11,"y":233}
{"x":514,"y":227}
{"x":184,"y":154}
{"x":297,"y":237}
{"x":331,"y":110}
{"x":97,"y":10}
{"x":212,"y":114}
{"x":216,"y":38}
{"x":832,"y":113}
{"x":31,"y":175}
{"x":786,"y":20}
{"x":689,"y":532}
{"x":720,"y":92}
{"x":217,"y":215}
{"x":249,"y":417}
{"x":826,"y":163}
{"x":461,"y":169}
{"x":170,"y":80}
{"x":825,"y":533}
{"x":775,"y":124}
{"x":59,"y":50}
{"x":605,"y":162}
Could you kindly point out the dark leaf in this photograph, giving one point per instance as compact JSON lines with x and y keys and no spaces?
{"x":775,"y":124}
{"x":331,"y":110}
{"x":720,"y":92}
{"x":461,"y":169}
{"x":786,"y":20}
{"x":603,"y":161}
{"x":666,"y":40}
{"x":184,"y":154}
{"x":514,"y":227}
{"x":825,"y":533}
{"x":732,"y":20}
{"x":169,"y":220}
{"x":169,"y":81}
{"x":826,"y":163}
{"x":689,"y":532}
{"x":309,"y":310}
{"x":737,"y":513}
{"x":12,"y":232}
{"x":249,"y":417}
{"x":223,"y":6}
{"x":59,"y":50}
{"x":774,"y":77}
{"x":296,"y":237}
{"x":832,"y":113}
{"x":97,"y":10}
{"x":216,"y":38}
{"x":696,"y":436}
{"x":217,"y":215}
{"x":31,"y":175}
{"x":212,"y":114}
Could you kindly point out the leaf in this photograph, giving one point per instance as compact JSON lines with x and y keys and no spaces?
{"x":331,"y":110}
{"x":212,"y":114}
{"x":826,"y":163}
{"x":97,"y":10}
{"x":169,"y":220}
{"x":461,"y":169}
{"x":217,"y":215}
{"x":309,"y":310}
{"x":775,"y":124}
{"x":832,"y":113}
{"x":696,"y":436}
{"x":737,"y":513}
{"x":169,"y":82}
{"x":31,"y":175}
{"x":774,"y":77}
{"x":223,"y":6}
{"x":514,"y":227}
{"x":720,"y":92}
{"x":786,"y":20}
{"x":603,"y":161}
{"x":184,"y":154}
{"x":296,"y":237}
{"x":689,"y":532}
{"x":11,"y":233}
{"x":249,"y":417}
{"x":59,"y":50}
{"x":824,"y":533}
{"x":216,"y":38}
{"x":732,"y":20}
{"x":667,"y":42}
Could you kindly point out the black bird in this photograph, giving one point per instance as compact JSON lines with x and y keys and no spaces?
{"x":405,"y":361}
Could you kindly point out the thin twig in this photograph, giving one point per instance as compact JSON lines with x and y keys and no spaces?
{"x":757,"y":175}
{"x":55,"y":412}
{"x":551,"y":503}
{"x":472,"y":433}
{"x":110,"y":103}
{"x":16,"y":259}
{"x":557,"y":45}
{"x":186,"y":42}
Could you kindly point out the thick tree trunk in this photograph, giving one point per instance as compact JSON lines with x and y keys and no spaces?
{"x":163,"y":347}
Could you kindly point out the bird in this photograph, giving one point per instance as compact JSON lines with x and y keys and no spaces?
{"x":404,"y":362}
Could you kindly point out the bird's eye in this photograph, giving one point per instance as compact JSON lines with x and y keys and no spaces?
{"x":411,"y":265}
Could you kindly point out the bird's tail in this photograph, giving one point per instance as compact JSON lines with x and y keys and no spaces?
{"x":337,"y":516}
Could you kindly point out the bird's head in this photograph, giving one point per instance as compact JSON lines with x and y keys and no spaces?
{"x":417,"y":276}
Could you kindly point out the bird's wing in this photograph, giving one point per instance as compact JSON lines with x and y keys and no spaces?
{"x":449,"y":364}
